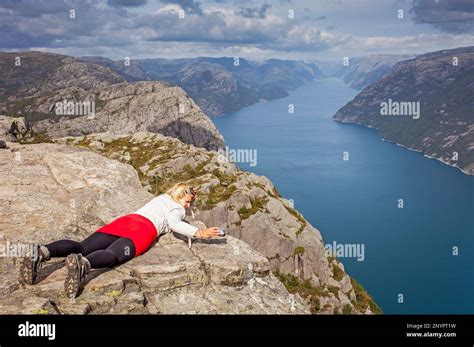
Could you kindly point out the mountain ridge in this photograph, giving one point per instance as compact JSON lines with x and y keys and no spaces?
{"x":42,"y":82}
{"x":218,"y":85}
{"x":360,"y":72}
{"x":441,"y":84}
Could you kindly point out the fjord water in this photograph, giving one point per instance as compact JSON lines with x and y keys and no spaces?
{"x":408,"y":250}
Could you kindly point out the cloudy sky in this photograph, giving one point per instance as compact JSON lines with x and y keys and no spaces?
{"x":292,"y":29}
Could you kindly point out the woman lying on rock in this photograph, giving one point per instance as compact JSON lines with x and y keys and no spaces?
{"x":121,"y":240}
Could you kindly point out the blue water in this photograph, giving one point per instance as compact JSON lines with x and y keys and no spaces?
{"x":408,"y":251}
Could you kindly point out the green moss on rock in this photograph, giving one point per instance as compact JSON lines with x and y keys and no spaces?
{"x":304,"y":288}
{"x":257,"y":204}
{"x":298,"y":251}
{"x":363,"y":299}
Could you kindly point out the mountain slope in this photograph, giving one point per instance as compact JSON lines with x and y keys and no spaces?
{"x":142,"y":106}
{"x":444,"y":91}
{"x":361,"y":71}
{"x":216,"y":84}
{"x":39,"y":74}
{"x":34,"y":89}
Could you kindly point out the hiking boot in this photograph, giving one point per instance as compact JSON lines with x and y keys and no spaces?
{"x":77,"y":267}
{"x":31,"y":263}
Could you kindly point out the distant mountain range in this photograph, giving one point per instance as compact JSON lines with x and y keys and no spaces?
{"x":441,"y":84}
{"x":218,"y":85}
{"x":360,"y":72}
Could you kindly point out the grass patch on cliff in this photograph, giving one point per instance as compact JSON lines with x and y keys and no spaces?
{"x":160,"y":184}
{"x":148,"y":157}
{"x":298,"y":251}
{"x":337,"y":272}
{"x":224,"y":179}
{"x":298,"y":216}
{"x":40,"y":311}
{"x":145,"y":157}
{"x":363,"y":299}
{"x":275,"y":193}
{"x":261,"y":186}
{"x":140,"y":154}
{"x":217,"y":194}
{"x":347,"y":309}
{"x":84,"y":142}
{"x":334,"y":290}
{"x":41,"y":137}
{"x":304,"y":288}
{"x":257,"y":204}
{"x":193,"y":175}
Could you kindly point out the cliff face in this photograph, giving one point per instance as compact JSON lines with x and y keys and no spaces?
{"x":248,"y":206}
{"x":441,"y":83}
{"x":33,"y":89}
{"x":141,"y":106}
{"x":51,"y":192}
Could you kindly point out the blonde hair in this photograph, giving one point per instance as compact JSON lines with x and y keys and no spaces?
{"x":179,"y":191}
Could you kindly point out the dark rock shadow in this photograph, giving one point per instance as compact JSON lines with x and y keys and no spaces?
{"x":93,"y":274}
{"x":48,"y":269}
{"x":214,"y":241}
{"x":190,"y":134}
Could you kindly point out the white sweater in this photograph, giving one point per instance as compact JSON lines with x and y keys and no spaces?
{"x":165,"y":214}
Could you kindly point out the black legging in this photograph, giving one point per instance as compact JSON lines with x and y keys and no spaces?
{"x":102,"y":250}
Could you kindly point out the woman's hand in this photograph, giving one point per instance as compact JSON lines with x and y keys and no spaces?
{"x":208,"y":233}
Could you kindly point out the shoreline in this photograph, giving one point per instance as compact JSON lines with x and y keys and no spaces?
{"x":408,"y":148}
{"x":262,"y":101}
{"x":430,"y":156}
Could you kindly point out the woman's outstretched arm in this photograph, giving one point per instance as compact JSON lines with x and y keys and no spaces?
{"x":176,"y":224}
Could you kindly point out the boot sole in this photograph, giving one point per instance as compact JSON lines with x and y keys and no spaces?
{"x":72,"y":282}
{"x":27,"y":275}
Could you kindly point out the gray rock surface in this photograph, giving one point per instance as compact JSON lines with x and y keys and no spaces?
{"x":14,"y":129}
{"x":50,"y":192}
{"x":247,"y":205}
{"x":141,"y":106}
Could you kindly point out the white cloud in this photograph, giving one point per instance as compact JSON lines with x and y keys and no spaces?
{"x":217,"y":30}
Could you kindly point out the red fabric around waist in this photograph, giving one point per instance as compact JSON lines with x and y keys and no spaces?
{"x":135,"y":227}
